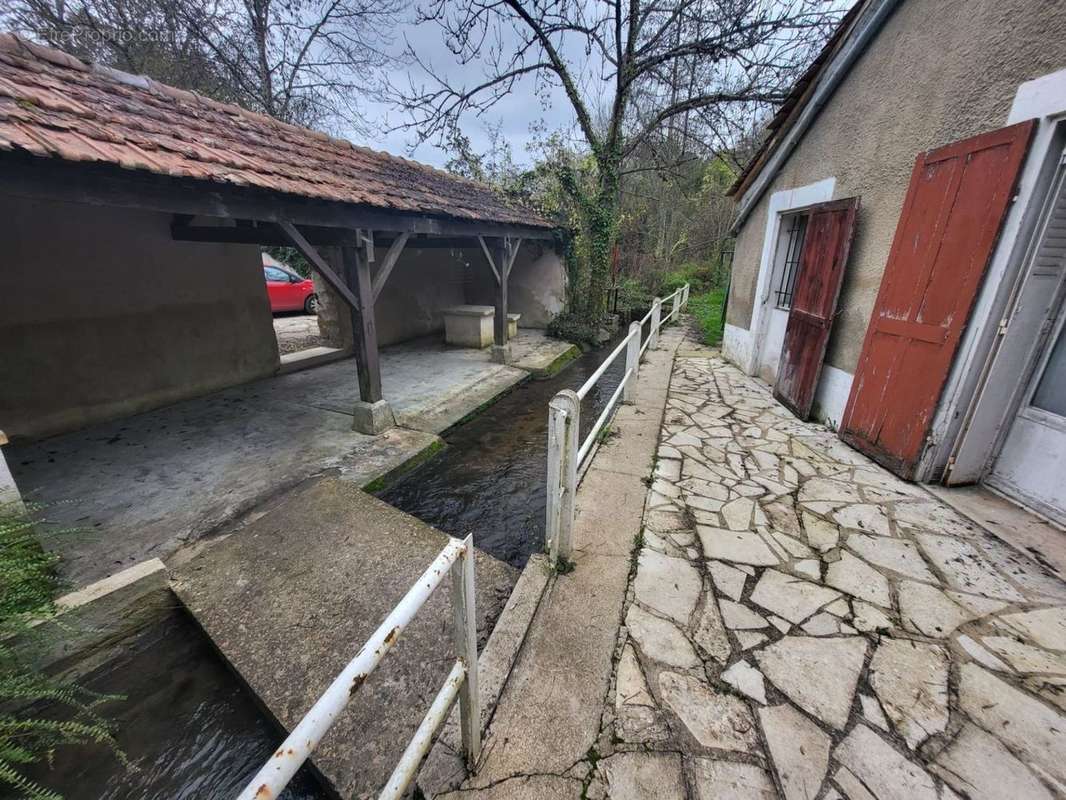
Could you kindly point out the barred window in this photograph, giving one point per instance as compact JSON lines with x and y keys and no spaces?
{"x":793,"y":231}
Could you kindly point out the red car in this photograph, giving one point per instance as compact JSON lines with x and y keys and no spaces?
{"x":287,"y":290}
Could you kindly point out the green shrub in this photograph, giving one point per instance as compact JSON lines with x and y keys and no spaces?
{"x":571,"y":328}
{"x":28,"y":587}
{"x":707,"y":309}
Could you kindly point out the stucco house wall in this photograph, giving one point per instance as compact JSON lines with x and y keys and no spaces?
{"x":938,"y":71}
{"x":103,"y":315}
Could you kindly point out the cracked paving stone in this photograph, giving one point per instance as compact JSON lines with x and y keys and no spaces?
{"x":886,"y":774}
{"x":933,"y":516}
{"x":818,"y":675}
{"x":976,"y":764}
{"x":872,"y":711}
{"x":727,"y":580}
{"x":668,"y":585}
{"x":821,"y":535}
{"x":863,"y":517}
{"x":854,"y":576}
{"x":927,"y":610}
{"x":659,"y":639}
{"x":789,"y":597}
{"x":1023,"y":657}
{"x":630,"y":686}
{"x":828,"y":490}
{"x":738,"y":617}
{"x":643,"y":776}
{"x":728,"y":780}
{"x":980,"y":654}
{"x":709,"y":632}
{"x":965,"y":568}
{"x":1045,"y":626}
{"x":737,"y":513}
{"x":809,"y":568}
{"x":714,"y":719}
{"x":821,"y":625}
{"x":750,"y":639}
{"x":1032,"y":730}
{"x":736,"y":546}
{"x":747,"y":680}
{"x":799,"y":750}
{"x":911,"y":681}
{"x":894,"y":554}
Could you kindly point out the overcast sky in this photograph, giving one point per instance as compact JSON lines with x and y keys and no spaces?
{"x":515,"y":113}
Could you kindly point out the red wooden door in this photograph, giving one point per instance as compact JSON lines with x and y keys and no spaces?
{"x":951,"y":217}
{"x":814,"y":301}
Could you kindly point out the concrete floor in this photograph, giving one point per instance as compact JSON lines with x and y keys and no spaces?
{"x":148,"y":485}
{"x":296,"y":332}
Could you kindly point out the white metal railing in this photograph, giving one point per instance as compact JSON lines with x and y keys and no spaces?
{"x":566,"y":451}
{"x":457,"y":558}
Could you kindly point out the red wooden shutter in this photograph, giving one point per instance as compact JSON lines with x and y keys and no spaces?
{"x":951,"y":218}
{"x":814,"y":301}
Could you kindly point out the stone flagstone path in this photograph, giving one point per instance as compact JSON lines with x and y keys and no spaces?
{"x":802,"y":624}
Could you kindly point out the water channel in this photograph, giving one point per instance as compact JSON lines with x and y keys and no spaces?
{"x":490,"y":478}
{"x":187,"y":726}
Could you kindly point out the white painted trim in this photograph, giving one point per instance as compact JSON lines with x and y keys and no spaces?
{"x":1043,"y":98}
{"x":736,"y":345}
{"x":831,"y":398}
{"x":780,"y":203}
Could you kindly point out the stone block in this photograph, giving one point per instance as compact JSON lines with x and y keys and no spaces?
{"x":372,"y":418}
{"x":468,"y":326}
{"x":512,"y":325}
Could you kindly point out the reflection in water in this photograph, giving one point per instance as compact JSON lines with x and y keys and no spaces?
{"x":489,"y":480}
{"x":187,"y":727}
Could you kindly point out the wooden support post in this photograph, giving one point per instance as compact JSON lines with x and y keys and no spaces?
{"x":499,"y":250}
{"x":372,"y":413}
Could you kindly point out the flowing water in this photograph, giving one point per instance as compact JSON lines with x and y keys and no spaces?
{"x":187,"y":727}
{"x":490,"y":478}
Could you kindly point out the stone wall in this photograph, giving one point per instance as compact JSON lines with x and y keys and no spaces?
{"x":103,"y":315}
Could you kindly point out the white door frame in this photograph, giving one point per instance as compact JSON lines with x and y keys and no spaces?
{"x":1044,"y":99}
{"x":781,"y":203}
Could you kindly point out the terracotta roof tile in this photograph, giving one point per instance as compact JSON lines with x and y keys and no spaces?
{"x":53,"y":105}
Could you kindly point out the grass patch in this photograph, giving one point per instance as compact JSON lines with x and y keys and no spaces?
{"x":707,"y":310}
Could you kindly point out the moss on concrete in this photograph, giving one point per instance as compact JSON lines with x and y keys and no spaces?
{"x":557,"y":365}
{"x":383,"y":482}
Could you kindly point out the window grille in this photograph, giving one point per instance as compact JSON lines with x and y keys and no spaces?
{"x":797,"y":228}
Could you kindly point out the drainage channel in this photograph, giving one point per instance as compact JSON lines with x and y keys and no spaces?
{"x":490,"y":479}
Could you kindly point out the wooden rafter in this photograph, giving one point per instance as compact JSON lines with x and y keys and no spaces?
{"x":308,"y":251}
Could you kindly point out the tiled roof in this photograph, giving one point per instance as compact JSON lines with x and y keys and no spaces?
{"x":54,"y":106}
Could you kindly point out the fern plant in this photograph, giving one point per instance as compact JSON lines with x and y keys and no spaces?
{"x":28,"y":735}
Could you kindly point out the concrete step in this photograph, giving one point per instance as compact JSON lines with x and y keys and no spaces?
{"x":291,"y":598}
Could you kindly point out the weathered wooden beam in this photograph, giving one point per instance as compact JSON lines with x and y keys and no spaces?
{"x":364,"y":330}
{"x":489,"y":257}
{"x":512,"y":254}
{"x":308,"y":251}
{"x":101,"y":184}
{"x":499,"y":319}
{"x":391,"y":257}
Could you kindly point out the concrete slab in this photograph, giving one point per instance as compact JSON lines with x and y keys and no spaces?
{"x":145,"y":486}
{"x":291,"y":599}
{"x":533,"y":351}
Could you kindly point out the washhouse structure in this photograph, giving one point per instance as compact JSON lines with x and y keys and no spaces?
{"x":133,"y":214}
{"x":900,"y":260}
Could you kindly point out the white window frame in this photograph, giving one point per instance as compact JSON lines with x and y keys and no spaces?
{"x":781,"y":204}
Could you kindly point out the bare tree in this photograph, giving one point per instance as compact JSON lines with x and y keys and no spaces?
{"x":309,"y":62}
{"x":636,"y":73}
